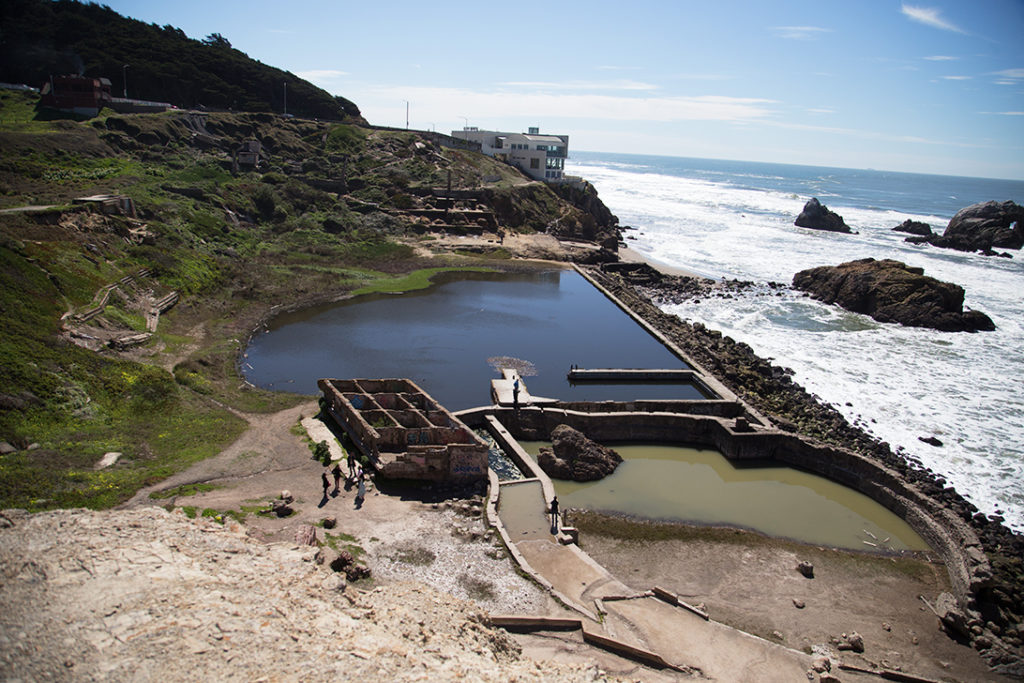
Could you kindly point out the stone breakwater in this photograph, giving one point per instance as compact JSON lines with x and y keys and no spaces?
{"x":997,"y":629}
{"x":146,"y":594}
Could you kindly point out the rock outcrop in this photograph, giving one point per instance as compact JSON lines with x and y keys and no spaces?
{"x":817,"y":216}
{"x":575,"y":457}
{"x":891,"y":291}
{"x":914,"y":227}
{"x":981,"y":227}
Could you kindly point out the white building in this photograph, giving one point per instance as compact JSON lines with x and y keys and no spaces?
{"x":542,"y":157}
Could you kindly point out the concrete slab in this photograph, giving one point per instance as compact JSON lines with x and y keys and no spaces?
{"x":503,"y":390}
{"x":318,"y":432}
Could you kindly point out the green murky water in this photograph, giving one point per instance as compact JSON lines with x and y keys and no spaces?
{"x":701,"y":486}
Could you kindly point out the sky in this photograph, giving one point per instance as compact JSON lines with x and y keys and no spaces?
{"x":924,"y":86}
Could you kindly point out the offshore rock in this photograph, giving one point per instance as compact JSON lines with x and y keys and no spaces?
{"x":981,"y":227}
{"x":575,"y":457}
{"x":817,"y":216}
{"x":891,"y":291}
{"x":914,"y":227}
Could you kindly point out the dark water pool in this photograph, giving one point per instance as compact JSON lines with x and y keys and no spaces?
{"x":442,"y":338}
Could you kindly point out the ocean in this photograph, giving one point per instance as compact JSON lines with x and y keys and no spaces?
{"x":734,"y":219}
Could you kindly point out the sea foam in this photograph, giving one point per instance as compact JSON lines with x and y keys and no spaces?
{"x":897,"y":383}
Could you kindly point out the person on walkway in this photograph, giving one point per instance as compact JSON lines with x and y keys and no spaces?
{"x":515,"y":395}
{"x":336,"y":471}
{"x":554,"y":513}
{"x":361,"y":492}
{"x":351,"y":468}
{"x":325,"y":482}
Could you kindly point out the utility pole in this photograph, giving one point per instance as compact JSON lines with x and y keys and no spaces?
{"x":407,"y":114}
{"x":124,"y":79}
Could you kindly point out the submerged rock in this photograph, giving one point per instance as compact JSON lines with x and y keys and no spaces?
{"x":891,"y":291}
{"x":817,"y":216}
{"x":575,"y":457}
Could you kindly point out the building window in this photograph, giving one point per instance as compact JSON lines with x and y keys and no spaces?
{"x":535,"y":163}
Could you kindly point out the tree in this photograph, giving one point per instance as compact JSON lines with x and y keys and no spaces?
{"x":216,"y":40}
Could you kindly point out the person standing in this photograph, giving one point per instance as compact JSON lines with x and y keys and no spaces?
{"x":351,"y":468}
{"x":361,"y":492}
{"x":336,"y":471}
{"x":325,"y":482}
{"x":554,"y":512}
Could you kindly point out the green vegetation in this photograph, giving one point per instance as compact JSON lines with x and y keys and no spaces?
{"x":342,"y":541}
{"x":324,"y":217}
{"x":419,"y":279}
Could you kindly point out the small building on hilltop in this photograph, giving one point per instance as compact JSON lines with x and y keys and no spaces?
{"x":404,"y":432}
{"x":76,"y":94}
{"x":542,"y":157}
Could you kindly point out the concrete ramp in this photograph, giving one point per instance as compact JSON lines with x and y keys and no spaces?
{"x":503,"y":391}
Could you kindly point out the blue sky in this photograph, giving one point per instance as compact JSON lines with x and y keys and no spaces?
{"x":929,"y":86}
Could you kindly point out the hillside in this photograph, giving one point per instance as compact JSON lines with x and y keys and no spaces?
{"x":41,"y":38}
{"x":331,"y":209}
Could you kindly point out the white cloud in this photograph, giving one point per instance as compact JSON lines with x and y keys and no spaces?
{"x":956,"y":78}
{"x":821,"y":110}
{"x":1010,"y":74}
{"x":941,"y":58}
{"x":321,"y":77}
{"x":611,"y":67}
{"x":929,"y":16}
{"x":481,"y":108}
{"x":799,"y":32}
{"x":581,"y":85}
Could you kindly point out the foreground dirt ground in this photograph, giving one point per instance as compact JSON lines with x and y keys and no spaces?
{"x":741,"y":579}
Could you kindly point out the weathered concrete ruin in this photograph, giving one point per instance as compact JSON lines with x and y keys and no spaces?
{"x":404,"y":432}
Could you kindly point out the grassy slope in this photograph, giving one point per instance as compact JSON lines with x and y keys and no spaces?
{"x":166,"y":405}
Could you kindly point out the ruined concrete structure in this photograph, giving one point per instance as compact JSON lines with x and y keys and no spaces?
{"x":403,"y":431}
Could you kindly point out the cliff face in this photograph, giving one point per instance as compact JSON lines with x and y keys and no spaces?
{"x":149,"y":594}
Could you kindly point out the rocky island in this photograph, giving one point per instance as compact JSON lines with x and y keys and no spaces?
{"x":982,"y":227}
{"x":891,"y":291}
{"x":817,"y":216}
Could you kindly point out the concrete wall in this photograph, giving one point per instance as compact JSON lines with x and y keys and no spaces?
{"x":948,"y":535}
{"x":404,"y":431}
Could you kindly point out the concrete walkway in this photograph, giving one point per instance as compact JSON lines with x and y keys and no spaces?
{"x":318,"y":432}
{"x":683,"y":638}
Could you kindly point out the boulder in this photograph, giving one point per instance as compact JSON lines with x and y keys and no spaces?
{"x":817,"y":216}
{"x":305,"y":535}
{"x":914,"y":228}
{"x":953,"y":619}
{"x":981,"y":227}
{"x":806,"y":568}
{"x":988,"y":225}
{"x":280,"y":508}
{"x":891,"y":291}
{"x":575,"y":457}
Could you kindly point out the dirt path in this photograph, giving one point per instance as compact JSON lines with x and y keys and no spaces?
{"x":751,"y":583}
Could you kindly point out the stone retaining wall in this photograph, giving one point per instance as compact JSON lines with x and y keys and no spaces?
{"x":947,"y":534}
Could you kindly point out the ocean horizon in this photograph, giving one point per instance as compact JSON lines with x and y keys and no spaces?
{"x":734,"y":219}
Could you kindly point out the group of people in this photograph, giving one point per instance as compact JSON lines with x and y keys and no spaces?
{"x":356,"y":475}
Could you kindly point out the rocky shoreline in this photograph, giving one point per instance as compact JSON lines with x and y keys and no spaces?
{"x":999,"y":633}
